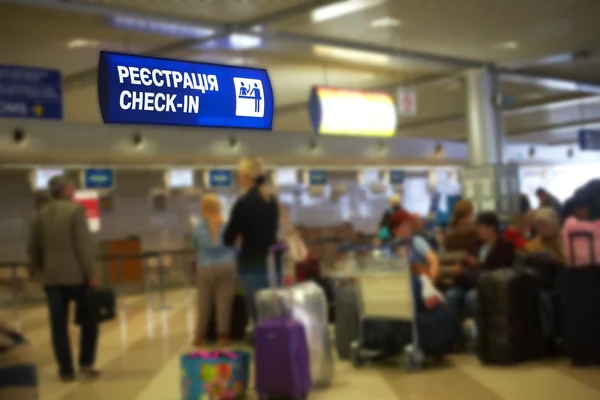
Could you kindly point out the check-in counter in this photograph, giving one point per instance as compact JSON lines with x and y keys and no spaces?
{"x":122,"y":270}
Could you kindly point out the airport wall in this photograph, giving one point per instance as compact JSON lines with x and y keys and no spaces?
{"x":134,"y":213}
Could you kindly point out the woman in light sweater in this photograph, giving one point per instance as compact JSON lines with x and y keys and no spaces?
{"x":215,"y":271}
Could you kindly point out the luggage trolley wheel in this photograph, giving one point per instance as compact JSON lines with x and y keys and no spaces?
{"x":355,"y":356}
{"x":412,"y":359}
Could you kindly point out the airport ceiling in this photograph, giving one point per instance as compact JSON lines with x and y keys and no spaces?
{"x":548,"y":52}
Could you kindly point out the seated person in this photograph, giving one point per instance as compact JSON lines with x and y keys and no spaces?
{"x":495,"y":252}
{"x":545,"y":253}
{"x":547,"y":199}
{"x":548,"y":238}
{"x":461,"y":234}
{"x":581,"y":212}
{"x":460,"y":238}
{"x":518,"y":231}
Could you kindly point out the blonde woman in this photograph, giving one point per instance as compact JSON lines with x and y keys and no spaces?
{"x":254,"y":221}
{"x":215,"y":271}
{"x":548,"y":239}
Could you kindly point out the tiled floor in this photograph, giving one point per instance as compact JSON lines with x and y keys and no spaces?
{"x":139,"y":355}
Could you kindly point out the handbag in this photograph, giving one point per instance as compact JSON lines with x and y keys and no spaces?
{"x":216,"y":375}
{"x":98,"y":305}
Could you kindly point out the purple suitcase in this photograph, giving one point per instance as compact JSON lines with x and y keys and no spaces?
{"x":281,"y":359}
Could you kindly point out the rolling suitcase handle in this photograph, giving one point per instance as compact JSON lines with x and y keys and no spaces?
{"x":271,"y":264}
{"x":272,"y":273}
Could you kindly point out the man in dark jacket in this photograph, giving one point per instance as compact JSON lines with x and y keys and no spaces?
{"x":61,"y":253}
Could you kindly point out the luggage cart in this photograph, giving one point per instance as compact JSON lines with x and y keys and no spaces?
{"x":353,"y":260}
{"x":387,"y":295}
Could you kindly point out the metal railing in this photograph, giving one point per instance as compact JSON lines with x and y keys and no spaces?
{"x":156,"y":267}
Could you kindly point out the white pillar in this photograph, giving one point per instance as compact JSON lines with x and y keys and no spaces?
{"x":484,"y":117}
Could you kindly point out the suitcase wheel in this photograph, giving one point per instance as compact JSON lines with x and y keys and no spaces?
{"x":355,"y":356}
{"x":412,"y":359}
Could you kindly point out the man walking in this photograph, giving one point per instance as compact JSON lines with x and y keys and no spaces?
{"x":61,"y":253}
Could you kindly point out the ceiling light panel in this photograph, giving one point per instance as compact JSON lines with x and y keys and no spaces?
{"x":341,"y":9}
{"x":351,"y":55}
{"x":385,"y":22}
{"x":509,"y":45}
{"x":244,"y":41}
{"x":82,"y":43}
{"x":235,"y":41}
{"x":161,"y":27}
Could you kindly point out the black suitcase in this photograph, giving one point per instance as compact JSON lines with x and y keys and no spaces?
{"x":509,"y":316}
{"x":439,"y":330}
{"x":385,"y":337}
{"x":99,"y":304}
{"x":580,"y":292}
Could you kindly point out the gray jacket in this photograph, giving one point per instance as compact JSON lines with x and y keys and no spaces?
{"x":60,"y":245}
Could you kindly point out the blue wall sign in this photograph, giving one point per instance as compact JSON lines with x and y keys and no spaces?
{"x":30,"y":92}
{"x":99,"y":178}
{"x":144,"y":90}
{"x":397,"y":177}
{"x":220,"y":178}
{"x":317,"y":177}
{"x":589,"y":139}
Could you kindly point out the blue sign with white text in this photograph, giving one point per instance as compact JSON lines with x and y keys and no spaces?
{"x":396,"y":177}
{"x":220,"y":178}
{"x":317,"y":177}
{"x":30,"y":92}
{"x":97,"y":178}
{"x":589,"y":139}
{"x":145,"y":90}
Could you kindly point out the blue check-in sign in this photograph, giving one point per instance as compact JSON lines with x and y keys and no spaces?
{"x":397,"y":177}
{"x":317,"y":177}
{"x":220,"y":178}
{"x":98,"y":178}
{"x":589,"y":139}
{"x":27,"y":92}
{"x":145,"y":90}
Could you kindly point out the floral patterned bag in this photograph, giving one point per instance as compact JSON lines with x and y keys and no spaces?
{"x":215,"y":375}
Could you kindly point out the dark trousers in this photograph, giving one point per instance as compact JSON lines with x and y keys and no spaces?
{"x":59,"y":299}
{"x":279,"y":264}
